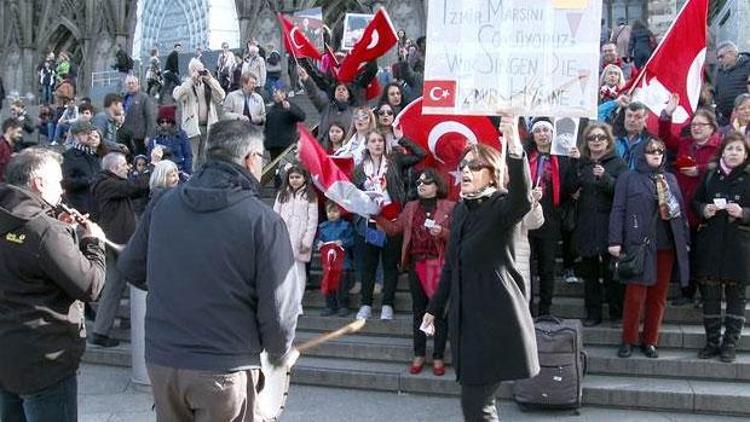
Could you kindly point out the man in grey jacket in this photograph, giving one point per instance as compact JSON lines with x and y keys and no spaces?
{"x":221,"y":284}
{"x":140,"y":115}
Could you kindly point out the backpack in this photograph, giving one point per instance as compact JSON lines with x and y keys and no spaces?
{"x":559,"y":384}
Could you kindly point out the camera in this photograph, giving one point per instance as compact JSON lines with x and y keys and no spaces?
{"x":203,"y":72}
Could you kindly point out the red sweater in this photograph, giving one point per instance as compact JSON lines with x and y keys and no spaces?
{"x":6,"y":150}
{"x":685,"y":146}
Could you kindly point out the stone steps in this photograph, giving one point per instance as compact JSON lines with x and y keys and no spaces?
{"x":638,"y":392}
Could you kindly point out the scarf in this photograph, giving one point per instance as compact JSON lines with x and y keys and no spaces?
{"x":85,"y":148}
{"x":669,"y":207}
{"x":724,"y":167}
{"x":375,"y":180}
{"x":536,"y":175}
{"x":484,"y":192}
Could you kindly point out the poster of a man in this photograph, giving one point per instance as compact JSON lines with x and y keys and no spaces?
{"x":566,"y":134}
{"x":354,"y":28}
{"x":310,"y":21}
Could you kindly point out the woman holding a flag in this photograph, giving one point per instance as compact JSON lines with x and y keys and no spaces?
{"x":379,"y":174}
{"x":491,"y":330}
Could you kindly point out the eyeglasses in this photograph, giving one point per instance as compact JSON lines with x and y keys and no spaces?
{"x":385,"y":113}
{"x":164,"y":121}
{"x":421,"y":182}
{"x":699,"y":124}
{"x":474,"y":165}
{"x":655,"y":151}
{"x":362,"y":117}
{"x":597,"y":138}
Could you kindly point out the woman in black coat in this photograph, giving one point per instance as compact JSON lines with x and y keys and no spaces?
{"x":491,"y":330}
{"x":640,"y":45}
{"x":723,"y":245}
{"x":648,"y":215}
{"x":379,"y":173}
{"x":595,"y":175}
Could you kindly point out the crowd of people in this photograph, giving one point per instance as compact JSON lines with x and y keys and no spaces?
{"x":628,"y":211}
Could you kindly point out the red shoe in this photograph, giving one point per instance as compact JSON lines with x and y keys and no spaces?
{"x":414,"y":369}
{"x":438,"y":370}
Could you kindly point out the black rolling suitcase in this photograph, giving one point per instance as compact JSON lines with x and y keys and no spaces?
{"x":559,"y":384}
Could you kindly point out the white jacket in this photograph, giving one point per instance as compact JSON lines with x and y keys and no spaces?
{"x":188,"y":102}
{"x":301,"y":218}
{"x":521,"y":247}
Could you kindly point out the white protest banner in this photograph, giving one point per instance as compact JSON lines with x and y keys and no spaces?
{"x":524,"y":57}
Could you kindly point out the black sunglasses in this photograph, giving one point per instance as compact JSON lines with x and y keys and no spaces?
{"x":164,"y":121}
{"x":655,"y":151}
{"x":592,"y":138}
{"x":474,"y":165}
{"x":385,"y":113}
{"x":421,"y":182}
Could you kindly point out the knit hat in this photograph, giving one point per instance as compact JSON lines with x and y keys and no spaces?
{"x":167,"y":112}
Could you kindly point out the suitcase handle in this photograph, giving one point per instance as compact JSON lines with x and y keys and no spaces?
{"x":549,"y":318}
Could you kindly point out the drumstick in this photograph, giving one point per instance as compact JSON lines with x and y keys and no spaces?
{"x":350,"y":328}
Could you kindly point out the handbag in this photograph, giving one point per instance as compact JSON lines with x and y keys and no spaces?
{"x":630,"y":265}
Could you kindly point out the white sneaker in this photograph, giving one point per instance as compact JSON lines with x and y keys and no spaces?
{"x":365,"y":312}
{"x":356,"y":288}
{"x":386,"y":313}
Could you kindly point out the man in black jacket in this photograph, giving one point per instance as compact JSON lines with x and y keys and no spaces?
{"x":45,"y":273}
{"x":731,"y":79}
{"x":113,"y":196}
{"x":221,"y":283}
{"x":281,"y":123}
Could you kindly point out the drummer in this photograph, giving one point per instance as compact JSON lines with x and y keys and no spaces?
{"x":219,"y":268}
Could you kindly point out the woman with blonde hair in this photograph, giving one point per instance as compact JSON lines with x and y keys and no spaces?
{"x":611,"y":83}
{"x":363,"y":121}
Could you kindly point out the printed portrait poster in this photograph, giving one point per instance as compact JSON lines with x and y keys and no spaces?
{"x":566,"y":136}
{"x":310,"y":22}
{"x":354,"y":27}
{"x":520,"y":57}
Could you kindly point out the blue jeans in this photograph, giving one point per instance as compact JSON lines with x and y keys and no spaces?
{"x":58,"y":402}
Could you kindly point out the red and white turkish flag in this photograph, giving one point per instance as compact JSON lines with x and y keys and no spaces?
{"x":445,"y":137}
{"x":332,"y":258}
{"x":439,"y":93}
{"x":332,"y":180}
{"x":295,"y":42}
{"x":379,"y":37}
{"x":676,"y":66}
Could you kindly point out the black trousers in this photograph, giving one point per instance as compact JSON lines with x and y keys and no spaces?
{"x":692,"y":287}
{"x":544,"y":252}
{"x":735,"y":314}
{"x":594,"y":268}
{"x":419,"y":305}
{"x":568,"y":250}
{"x":371,"y":255}
{"x":478,"y":402}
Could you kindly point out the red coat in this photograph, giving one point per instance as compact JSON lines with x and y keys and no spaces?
{"x":6,"y":150}
{"x":684,"y":146}
{"x":405,"y":222}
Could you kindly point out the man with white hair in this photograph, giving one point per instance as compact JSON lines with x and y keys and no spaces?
{"x":140,"y":115}
{"x":731,"y":79}
{"x":113,"y":209}
{"x":255,"y":64}
{"x":46,"y":271}
{"x":199,"y":98}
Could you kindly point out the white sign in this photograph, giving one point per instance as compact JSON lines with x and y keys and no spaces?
{"x":524,"y":57}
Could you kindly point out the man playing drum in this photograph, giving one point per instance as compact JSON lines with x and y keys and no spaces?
{"x":218,"y":264}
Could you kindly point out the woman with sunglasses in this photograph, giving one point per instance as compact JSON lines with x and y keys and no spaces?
{"x":363,"y":121}
{"x":393,"y":95}
{"x":490,"y":327}
{"x":173,"y":140}
{"x":425,"y":225}
{"x":595,"y":174}
{"x":648,"y":219}
{"x":723,"y":245}
{"x":379,"y":174}
{"x":694,"y":152}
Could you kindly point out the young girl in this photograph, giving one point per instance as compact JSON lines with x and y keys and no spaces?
{"x":334,"y":142}
{"x":335,"y":239}
{"x":297,"y":204}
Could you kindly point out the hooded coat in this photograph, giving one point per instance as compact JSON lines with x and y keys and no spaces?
{"x":220,"y":274}
{"x":634,"y":217}
{"x":45,"y":273}
{"x":491,"y":331}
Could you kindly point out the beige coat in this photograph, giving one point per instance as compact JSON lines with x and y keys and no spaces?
{"x":521,"y":248}
{"x":185,"y":97}
{"x":301,"y":218}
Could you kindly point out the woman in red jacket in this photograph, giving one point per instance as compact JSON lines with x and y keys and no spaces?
{"x":693,"y":153}
{"x":425,"y":224}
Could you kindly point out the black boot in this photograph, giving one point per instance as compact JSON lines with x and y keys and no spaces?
{"x":331,"y":305}
{"x":593,"y":318}
{"x":731,"y":339}
{"x":713,"y":337}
